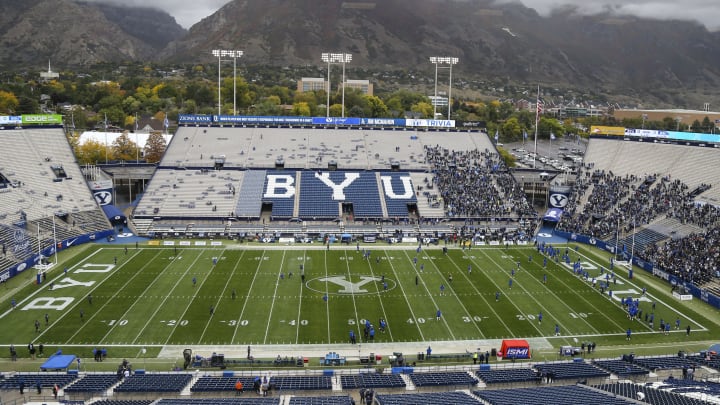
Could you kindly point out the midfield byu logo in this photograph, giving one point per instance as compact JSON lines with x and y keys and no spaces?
{"x":558,"y":200}
{"x":341,"y":285}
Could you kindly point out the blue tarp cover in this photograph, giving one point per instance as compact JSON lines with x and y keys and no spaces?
{"x":553,"y":215}
{"x":58,"y":362}
{"x":113,"y":213}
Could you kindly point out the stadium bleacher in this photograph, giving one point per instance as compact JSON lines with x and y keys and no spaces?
{"x":663,"y":362}
{"x":507,"y":375}
{"x":154,"y":383}
{"x":294,"y":383}
{"x":218,"y":401}
{"x":571,"y":370}
{"x":31,"y":379}
{"x":371,"y":380}
{"x":650,"y":394}
{"x":44,"y":194}
{"x":434,"y":398}
{"x":124,"y":402}
{"x":330,"y":400}
{"x":93,"y":383}
{"x":621,"y":368}
{"x":561,"y":395}
{"x":442,"y":378}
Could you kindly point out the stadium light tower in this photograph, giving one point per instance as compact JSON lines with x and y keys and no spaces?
{"x":336,"y":58}
{"x":443,"y":60}
{"x":220,"y":53}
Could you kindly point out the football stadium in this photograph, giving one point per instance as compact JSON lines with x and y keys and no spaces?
{"x":290,"y":260}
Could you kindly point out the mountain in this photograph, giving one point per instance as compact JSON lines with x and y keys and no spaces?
{"x":670,"y":62}
{"x":658,"y":63}
{"x":72,"y":33}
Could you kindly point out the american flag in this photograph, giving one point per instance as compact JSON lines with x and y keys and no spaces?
{"x":539,"y":107}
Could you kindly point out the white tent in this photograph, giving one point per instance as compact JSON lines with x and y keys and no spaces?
{"x":108,"y":138}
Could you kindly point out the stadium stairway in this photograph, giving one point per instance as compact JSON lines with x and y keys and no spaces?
{"x":336,"y":385}
{"x":409,"y":385}
{"x":383,"y":205}
{"x":296,"y":205}
{"x":424,"y":208}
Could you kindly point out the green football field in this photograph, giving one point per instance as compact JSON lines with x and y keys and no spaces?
{"x":182,"y":295}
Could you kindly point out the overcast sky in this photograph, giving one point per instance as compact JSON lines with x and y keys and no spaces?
{"x":707,"y":12}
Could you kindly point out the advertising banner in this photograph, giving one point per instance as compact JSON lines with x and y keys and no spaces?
{"x":195,"y":119}
{"x":335,"y":121}
{"x":646,"y":133}
{"x":102,"y":191}
{"x":10,"y":120}
{"x":395,"y":122}
{"x":430,"y":123}
{"x":559,"y":197}
{"x":33,"y":119}
{"x":239,"y":119}
{"x":605,"y":130}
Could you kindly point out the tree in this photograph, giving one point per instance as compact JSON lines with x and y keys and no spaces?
{"x":92,"y":152}
{"x":696,"y":126}
{"x":8,"y":102}
{"x":547,"y":125}
{"x":155,"y":147}
{"x":511,"y":130}
{"x":707,"y":126}
{"x":124,"y":148}
{"x":376,"y":107}
{"x":425,"y":109}
{"x":301,"y":109}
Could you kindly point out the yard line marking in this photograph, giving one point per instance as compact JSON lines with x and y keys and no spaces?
{"x":479,"y":294}
{"x":107,"y":302}
{"x":563,"y":302}
{"x":272,"y":305}
{"x":42,"y":288}
{"x":392,"y":266}
{"x":672,"y":307}
{"x":297,"y":319}
{"x":252,"y":282}
{"x":180,"y":318}
{"x":352,"y":293}
{"x":450,"y":287}
{"x":379,"y":294}
{"x":327,"y":301}
{"x":499,"y":267}
{"x":222,"y":294}
{"x":79,"y":301}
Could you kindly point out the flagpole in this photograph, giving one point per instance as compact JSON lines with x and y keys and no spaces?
{"x":106,"y":142}
{"x":57,"y":252}
{"x":137,"y":145}
{"x":537,"y":119}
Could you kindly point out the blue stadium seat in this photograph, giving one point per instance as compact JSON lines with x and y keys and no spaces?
{"x":154,"y":383}
{"x":562,"y":395}
{"x":442,"y":378}
{"x":371,"y":380}
{"x":434,"y":398}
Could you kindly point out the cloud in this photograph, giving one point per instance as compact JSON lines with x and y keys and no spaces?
{"x":189,"y":12}
{"x":186,"y":12}
{"x":703,"y":11}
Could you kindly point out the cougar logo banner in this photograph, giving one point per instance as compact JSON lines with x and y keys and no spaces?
{"x":558,"y":200}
